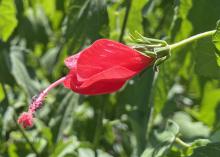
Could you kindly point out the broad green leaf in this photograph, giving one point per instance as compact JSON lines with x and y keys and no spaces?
{"x":67,"y":116}
{"x":210,"y":150}
{"x":210,"y":102}
{"x":188,"y":128}
{"x":62,"y":121}
{"x":84,"y":152}
{"x":87,"y":19}
{"x":136,"y":98}
{"x":8,"y":120}
{"x":163,"y":141}
{"x":204,"y":52}
{"x":8,"y":20}
{"x":49,"y":59}
{"x":206,"y":60}
{"x":21,"y":75}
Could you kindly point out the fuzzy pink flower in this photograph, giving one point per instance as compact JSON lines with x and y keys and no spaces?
{"x":26,"y":119}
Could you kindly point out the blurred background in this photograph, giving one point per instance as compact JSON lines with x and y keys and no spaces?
{"x":143,"y":118}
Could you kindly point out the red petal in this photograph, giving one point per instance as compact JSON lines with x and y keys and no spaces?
{"x":71,"y":79}
{"x":104,"y":54}
{"x":117,"y":73}
{"x":71,"y":61}
{"x":101,"y":87}
{"x":99,"y":83}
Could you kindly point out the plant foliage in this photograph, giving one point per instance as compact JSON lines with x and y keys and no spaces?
{"x":147,"y":117}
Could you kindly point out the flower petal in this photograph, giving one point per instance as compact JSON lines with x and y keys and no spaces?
{"x":71,"y":80}
{"x":100,"y":83}
{"x":116,"y":73}
{"x":104,"y":54}
{"x":71,"y":61}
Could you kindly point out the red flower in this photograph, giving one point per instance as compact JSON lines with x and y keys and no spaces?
{"x":104,"y":67}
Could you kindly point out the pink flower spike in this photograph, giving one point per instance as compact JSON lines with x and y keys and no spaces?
{"x":26,"y":119}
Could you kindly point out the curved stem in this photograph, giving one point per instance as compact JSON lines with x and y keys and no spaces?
{"x":182,"y":143}
{"x":38,"y":102}
{"x":191,"y":39}
{"x":54,"y":84}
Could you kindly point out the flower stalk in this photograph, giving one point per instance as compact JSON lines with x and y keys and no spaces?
{"x":191,"y":39}
{"x":26,"y":118}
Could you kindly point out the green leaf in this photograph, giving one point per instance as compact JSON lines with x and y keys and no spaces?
{"x":216,"y":36}
{"x":5,"y":66}
{"x":8,"y":20}
{"x":216,"y":41}
{"x":181,"y":26}
{"x":86,"y":152}
{"x":178,"y":63}
{"x":21,"y":75}
{"x":116,"y":15}
{"x":210,"y":102}
{"x":49,"y":59}
{"x":210,"y":150}
{"x":139,"y":108}
{"x":65,"y":147}
{"x":188,"y":128}
{"x":163,"y":141}
{"x":66,"y":114}
{"x":86,"y":19}
{"x":135,"y":17}
{"x":215,"y":137}
{"x":204,"y":52}
{"x":206,"y":60}
{"x":2,"y":95}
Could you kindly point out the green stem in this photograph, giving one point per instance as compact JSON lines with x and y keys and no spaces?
{"x":191,"y":39}
{"x":182,"y":143}
{"x":125,"y":20}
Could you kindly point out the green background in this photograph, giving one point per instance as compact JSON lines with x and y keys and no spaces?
{"x":143,"y":118}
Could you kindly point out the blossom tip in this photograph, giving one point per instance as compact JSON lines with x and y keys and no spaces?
{"x":25,"y":119}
